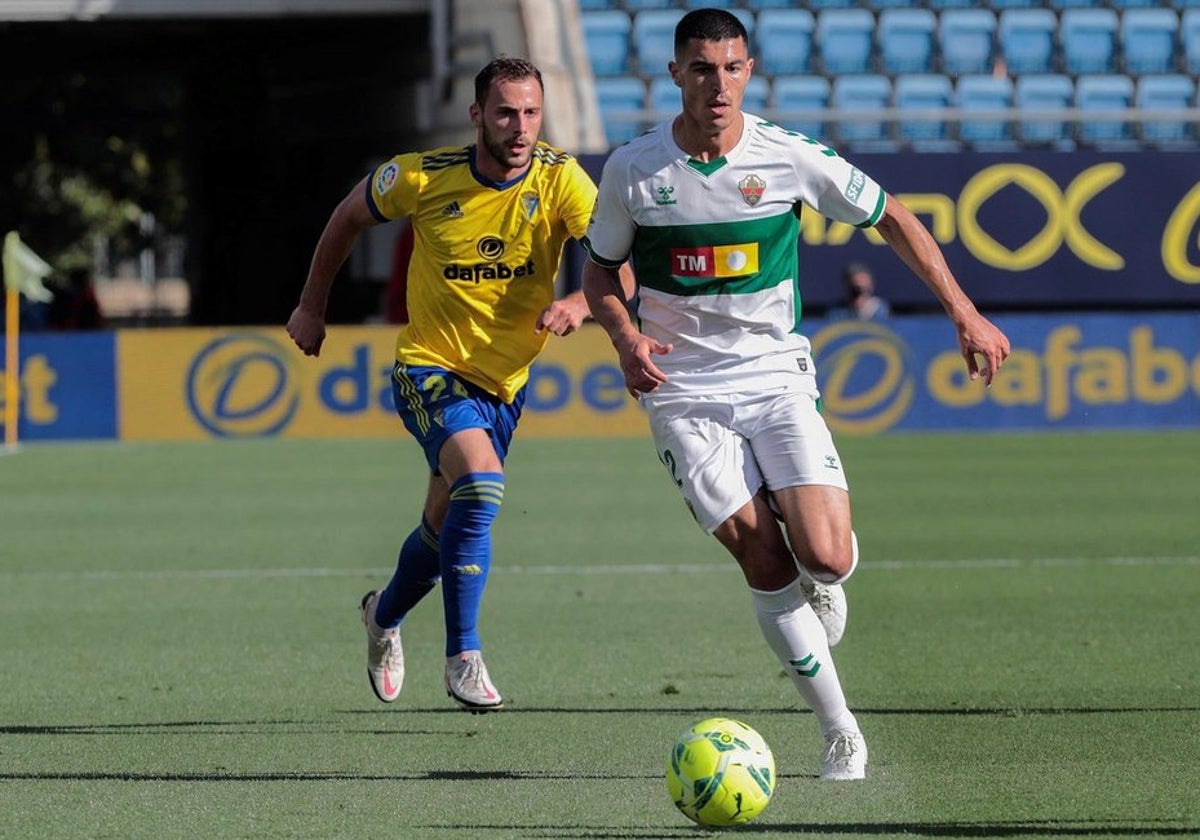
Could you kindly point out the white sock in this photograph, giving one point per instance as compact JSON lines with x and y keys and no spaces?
{"x":795,"y":634}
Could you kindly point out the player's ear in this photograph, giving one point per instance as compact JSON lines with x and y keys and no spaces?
{"x":476,"y":114}
{"x":673,"y":69}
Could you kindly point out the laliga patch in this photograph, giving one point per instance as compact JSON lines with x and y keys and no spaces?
{"x":386,"y":178}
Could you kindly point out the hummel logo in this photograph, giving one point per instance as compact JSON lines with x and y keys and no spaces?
{"x":453,"y":211}
{"x":806,"y":667}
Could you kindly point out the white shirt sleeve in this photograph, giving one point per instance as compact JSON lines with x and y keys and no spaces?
{"x":611,"y":230}
{"x":836,"y":188}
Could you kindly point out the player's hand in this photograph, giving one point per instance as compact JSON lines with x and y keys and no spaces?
{"x":562,"y":317}
{"x":979,"y":337}
{"x":307,"y":329}
{"x":642,"y":376}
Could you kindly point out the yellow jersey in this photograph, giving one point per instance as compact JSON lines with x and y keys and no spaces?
{"x":485,"y":257}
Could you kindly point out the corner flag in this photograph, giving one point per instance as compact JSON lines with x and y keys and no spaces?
{"x":24,"y":270}
{"x":23,"y":274}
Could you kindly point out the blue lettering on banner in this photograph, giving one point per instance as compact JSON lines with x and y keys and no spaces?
{"x":68,"y":387}
{"x":242,"y":385}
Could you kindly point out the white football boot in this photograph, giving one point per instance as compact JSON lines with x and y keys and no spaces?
{"x":385,"y":655}
{"x":829,"y":603}
{"x":845,"y":757}
{"x":467,"y":681}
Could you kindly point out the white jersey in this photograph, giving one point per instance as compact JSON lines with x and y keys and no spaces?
{"x":714,"y":247}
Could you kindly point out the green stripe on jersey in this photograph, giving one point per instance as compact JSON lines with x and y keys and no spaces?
{"x":776,"y":237}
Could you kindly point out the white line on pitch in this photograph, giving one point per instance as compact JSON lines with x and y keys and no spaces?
{"x":609,"y":569}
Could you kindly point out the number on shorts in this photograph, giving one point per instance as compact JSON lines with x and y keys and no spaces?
{"x":437,"y":385}
{"x":668,"y":459}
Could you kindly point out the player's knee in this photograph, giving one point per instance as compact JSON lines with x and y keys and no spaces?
{"x":476,"y":498}
{"x":834,"y":562}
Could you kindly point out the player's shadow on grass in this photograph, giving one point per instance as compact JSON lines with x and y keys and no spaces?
{"x":512,"y":708}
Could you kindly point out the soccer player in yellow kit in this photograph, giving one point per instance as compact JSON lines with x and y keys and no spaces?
{"x":490,"y":221}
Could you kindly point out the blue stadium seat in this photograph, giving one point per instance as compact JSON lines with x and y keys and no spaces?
{"x":639,"y":5}
{"x":1027,"y":39}
{"x":797,"y":94}
{"x":785,"y":40}
{"x":1001,"y":5}
{"x":1044,"y":92}
{"x":1189,"y":30}
{"x":664,"y":98}
{"x":985,"y":93}
{"x":1133,"y":4}
{"x":905,"y":39}
{"x":866,"y":92}
{"x":620,"y":93}
{"x":606,"y":35}
{"x":818,"y":5}
{"x":923,"y":92}
{"x":940,"y":5}
{"x":967,"y":40}
{"x":1148,"y":40}
{"x":1089,"y":40}
{"x":1104,"y":92}
{"x":1059,"y":5}
{"x":709,"y":4}
{"x":757,"y":95}
{"x":654,"y":40}
{"x":844,"y":38}
{"x":760,"y":5}
{"x":1165,"y":93}
{"x":597,"y":5}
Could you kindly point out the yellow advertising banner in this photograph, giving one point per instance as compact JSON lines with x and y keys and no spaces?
{"x":191,"y":384}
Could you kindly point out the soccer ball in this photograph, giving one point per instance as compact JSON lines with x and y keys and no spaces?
{"x":721,"y":772}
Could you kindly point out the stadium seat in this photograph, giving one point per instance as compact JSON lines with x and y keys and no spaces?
{"x":967,"y":40}
{"x":1148,"y":40}
{"x":940,"y":5}
{"x":985,"y":93}
{"x":905,"y":39}
{"x":709,"y":4}
{"x":1189,"y":30}
{"x":761,"y":5}
{"x":639,"y":5}
{"x":1163,"y":93}
{"x":596,"y":5}
{"x":1089,"y":40}
{"x":606,"y":35}
{"x":785,"y":40}
{"x":1044,"y":92}
{"x":1060,"y":5}
{"x":866,"y":92}
{"x":664,"y":98}
{"x":1103,"y":92}
{"x":844,"y":38}
{"x":1027,"y":39}
{"x":1000,"y":5}
{"x":818,"y":5}
{"x":923,"y":92}
{"x":1132,"y":4}
{"x":654,"y":40}
{"x":794,"y":95}
{"x":757,"y":96}
{"x":620,"y":93}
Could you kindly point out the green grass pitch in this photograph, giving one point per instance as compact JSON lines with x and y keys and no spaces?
{"x":182,"y":656}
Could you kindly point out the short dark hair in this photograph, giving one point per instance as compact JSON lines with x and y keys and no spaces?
{"x":708,"y":25}
{"x":505,"y":69}
{"x":854,"y":268}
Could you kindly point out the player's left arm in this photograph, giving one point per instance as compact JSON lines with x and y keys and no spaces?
{"x":976,"y":334}
{"x":578,"y":194}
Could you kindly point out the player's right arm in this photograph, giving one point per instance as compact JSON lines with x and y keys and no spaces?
{"x":350,"y":218}
{"x":608,"y":290}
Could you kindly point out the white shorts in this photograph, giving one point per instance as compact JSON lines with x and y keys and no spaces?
{"x":721,"y":448}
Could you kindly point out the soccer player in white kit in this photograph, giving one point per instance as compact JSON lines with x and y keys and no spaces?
{"x":706,"y":206}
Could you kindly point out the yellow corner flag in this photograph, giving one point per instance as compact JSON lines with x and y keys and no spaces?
{"x":23,"y":274}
